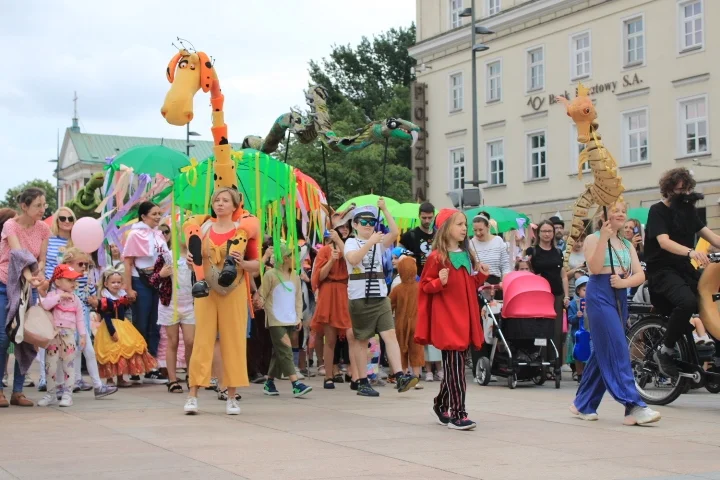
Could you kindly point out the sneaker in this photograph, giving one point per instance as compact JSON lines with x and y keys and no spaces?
{"x":42,"y":386}
{"x":590,"y":417}
{"x":419,"y":386}
{"x":405,"y":382}
{"x":299,"y":374}
{"x":59,"y":392}
{"x":104,"y":391}
{"x":135,"y":379}
{"x":307,"y":372}
{"x":155,"y":377}
{"x":429,"y":377}
{"x":257,"y":379}
{"x":66,"y":400}
{"x":232,"y":407}
{"x":641,"y":416}
{"x":665,"y":363}
{"x":441,"y":417}
{"x":83,"y":386}
{"x":213,"y":384}
{"x":28,"y":382}
{"x":300,"y":390}
{"x":270,"y":390}
{"x":461,"y":424}
{"x":47,"y":400}
{"x":191,"y":406}
{"x":707,"y":339}
{"x":378,"y":382}
{"x":439,"y":376}
{"x":365,"y":390}
{"x":566,"y":369}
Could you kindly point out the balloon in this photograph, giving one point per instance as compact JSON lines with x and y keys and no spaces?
{"x":87,"y":234}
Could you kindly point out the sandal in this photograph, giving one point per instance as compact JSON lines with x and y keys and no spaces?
{"x":223,"y":395}
{"x":3,"y":401}
{"x":124,"y":384}
{"x":329,"y":384}
{"x":174,"y":387}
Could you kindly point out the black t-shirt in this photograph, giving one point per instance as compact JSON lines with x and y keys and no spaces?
{"x":419,"y":243}
{"x":680,"y":225}
{"x":548,"y":264}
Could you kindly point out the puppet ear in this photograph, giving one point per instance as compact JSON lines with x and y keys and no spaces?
{"x":172,"y":66}
{"x":206,"y":68}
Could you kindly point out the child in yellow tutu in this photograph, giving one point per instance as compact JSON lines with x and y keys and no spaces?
{"x":119,"y":347}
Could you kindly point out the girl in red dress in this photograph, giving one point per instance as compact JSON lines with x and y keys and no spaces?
{"x":448,"y":314}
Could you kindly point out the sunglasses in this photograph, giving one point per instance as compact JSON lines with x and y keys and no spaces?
{"x":65,"y":219}
{"x":83,"y":264}
{"x":165,"y":232}
{"x":367,"y":222}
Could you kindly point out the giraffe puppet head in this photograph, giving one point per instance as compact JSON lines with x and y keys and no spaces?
{"x":582,"y":111}
{"x":187,"y":72}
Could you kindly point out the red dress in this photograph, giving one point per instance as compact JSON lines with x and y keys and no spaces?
{"x":332,"y":302}
{"x":449,"y":315}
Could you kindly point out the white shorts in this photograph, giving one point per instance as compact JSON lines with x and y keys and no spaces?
{"x":185,"y":316}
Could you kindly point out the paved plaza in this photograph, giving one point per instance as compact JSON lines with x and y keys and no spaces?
{"x":527,"y":433}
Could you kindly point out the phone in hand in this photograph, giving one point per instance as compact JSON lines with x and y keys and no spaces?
{"x":636,"y":230}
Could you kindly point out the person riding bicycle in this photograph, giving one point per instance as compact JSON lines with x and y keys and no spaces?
{"x":672,"y":226}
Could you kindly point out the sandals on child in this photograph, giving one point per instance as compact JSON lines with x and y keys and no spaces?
{"x":174,"y":387}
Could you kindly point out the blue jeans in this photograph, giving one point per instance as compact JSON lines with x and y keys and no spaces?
{"x":18,"y":378}
{"x":145,"y":314}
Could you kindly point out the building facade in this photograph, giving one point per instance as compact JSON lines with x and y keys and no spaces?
{"x":647,"y":63}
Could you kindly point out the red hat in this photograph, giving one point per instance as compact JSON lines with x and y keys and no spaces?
{"x":443,"y":215}
{"x":65,"y":271}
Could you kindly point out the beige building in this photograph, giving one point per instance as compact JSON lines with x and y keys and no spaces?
{"x":648,"y":64}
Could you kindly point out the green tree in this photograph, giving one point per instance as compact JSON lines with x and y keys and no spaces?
{"x":12,"y":194}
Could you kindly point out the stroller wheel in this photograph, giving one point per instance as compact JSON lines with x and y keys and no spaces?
{"x":512,"y":381}
{"x":557,"y":381}
{"x":482,"y":371}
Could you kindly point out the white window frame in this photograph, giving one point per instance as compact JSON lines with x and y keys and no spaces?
{"x":529,"y":151}
{"x":627,"y":63}
{"x":452,"y":106}
{"x":626,"y":132}
{"x":488,"y":90}
{"x":575,"y":149}
{"x":454,"y":13}
{"x":451,"y":163}
{"x":682,"y":122}
{"x":529,"y":69}
{"x":573,"y":56}
{"x":492,"y":7}
{"x":500,"y":171}
{"x":694,"y":47}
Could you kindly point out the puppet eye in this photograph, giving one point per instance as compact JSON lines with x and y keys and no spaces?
{"x":587,"y":111}
{"x":183,"y":64}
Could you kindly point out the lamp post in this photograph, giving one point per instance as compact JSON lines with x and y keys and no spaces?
{"x":187,"y":139}
{"x":476,"y":47}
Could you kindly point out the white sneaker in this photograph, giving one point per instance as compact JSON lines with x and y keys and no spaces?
{"x":641,"y":416}
{"x":191,"y":406}
{"x":47,"y":400}
{"x":698,"y":340}
{"x":429,"y":377}
{"x":66,"y":400}
{"x":299,"y":374}
{"x":566,"y":369}
{"x":232,"y":407}
{"x":590,"y":417}
{"x":708,"y":340}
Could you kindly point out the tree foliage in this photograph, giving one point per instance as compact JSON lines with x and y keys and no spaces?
{"x":12,"y":194}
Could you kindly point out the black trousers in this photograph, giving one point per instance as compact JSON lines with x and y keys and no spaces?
{"x":673,"y":291}
{"x":451,"y":399}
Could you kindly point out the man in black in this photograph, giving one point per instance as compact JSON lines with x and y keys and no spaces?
{"x":669,"y":248}
{"x":419,"y":239}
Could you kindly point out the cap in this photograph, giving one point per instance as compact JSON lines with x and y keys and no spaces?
{"x":581,"y":281}
{"x":399,"y":251}
{"x":443,"y":215}
{"x":65,"y":271}
{"x":368,"y":211}
{"x":555,"y":220}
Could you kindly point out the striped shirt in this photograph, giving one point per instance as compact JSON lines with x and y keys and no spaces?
{"x":359,"y":285}
{"x":494,"y":254}
{"x":56,"y":248}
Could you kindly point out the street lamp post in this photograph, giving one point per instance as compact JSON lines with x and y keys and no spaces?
{"x":187,"y":139}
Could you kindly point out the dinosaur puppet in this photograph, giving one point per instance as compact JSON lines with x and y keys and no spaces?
{"x":189,"y":72}
{"x":607,"y":187}
{"x":317,"y":124}
{"x":87,"y":198}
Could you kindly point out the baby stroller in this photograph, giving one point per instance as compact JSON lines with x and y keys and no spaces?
{"x":521,"y":331}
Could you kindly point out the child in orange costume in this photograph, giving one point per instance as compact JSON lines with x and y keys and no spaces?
{"x":404,"y":301}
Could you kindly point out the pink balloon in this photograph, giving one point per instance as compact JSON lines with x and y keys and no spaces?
{"x":87,"y":234}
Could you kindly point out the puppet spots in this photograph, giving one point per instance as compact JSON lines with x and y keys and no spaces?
{"x":234,"y":187}
{"x":208,"y":64}
{"x":223,"y":141}
{"x":215,"y":176}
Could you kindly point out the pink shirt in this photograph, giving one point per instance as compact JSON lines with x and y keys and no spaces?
{"x":66,"y":313}
{"x":30,"y":239}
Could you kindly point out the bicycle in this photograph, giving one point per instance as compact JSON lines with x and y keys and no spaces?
{"x":645,"y":337}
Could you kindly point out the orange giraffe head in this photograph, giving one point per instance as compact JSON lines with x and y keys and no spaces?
{"x":187,"y":72}
{"x":582,"y":111}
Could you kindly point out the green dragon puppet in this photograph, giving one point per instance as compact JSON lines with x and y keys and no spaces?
{"x":88,"y":198}
{"x":317,"y":124}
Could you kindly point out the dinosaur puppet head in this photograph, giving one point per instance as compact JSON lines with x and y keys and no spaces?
{"x":582,"y":111}
{"x":399,"y":129}
{"x":187,"y":72}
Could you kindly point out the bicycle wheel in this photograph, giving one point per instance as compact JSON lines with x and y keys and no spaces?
{"x":644,"y":338}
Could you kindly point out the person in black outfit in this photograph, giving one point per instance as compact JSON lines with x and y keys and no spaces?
{"x":419,"y":240}
{"x":669,"y":248}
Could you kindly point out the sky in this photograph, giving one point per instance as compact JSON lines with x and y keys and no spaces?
{"x":114,"y":54}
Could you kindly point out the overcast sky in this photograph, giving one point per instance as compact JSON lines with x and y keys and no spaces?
{"x":114,"y":54}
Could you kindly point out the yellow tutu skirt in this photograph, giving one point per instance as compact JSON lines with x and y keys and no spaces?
{"x":128,"y":356}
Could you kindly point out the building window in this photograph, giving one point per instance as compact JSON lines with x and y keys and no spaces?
{"x":493,"y":7}
{"x":691,"y":25}
{"x":634,"y":32}
{"x":537,"y":155}
{"x":494,"y":81}
{"x":580,"y":55}
{"x":536,"y":69}
{"x":456,"y":92}
{"x":694,"y":126}
{"x":635,"y":136}
{"x":496,"y":162}
{"x":457,"y":168}
{"x":576,"y":149}
{"x":456,"y":8}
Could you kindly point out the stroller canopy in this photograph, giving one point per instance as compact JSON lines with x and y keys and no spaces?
{"x":526,"y":295}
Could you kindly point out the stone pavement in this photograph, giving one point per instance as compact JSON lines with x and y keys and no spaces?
{"x":526,"y":433}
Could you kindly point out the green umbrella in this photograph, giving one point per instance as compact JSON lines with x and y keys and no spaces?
{"x":152,"y":159}
{"x":639,"y":213}
{"x":364,"y":200}
{"x":406,"y":215}
{"x":506,"y":218}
